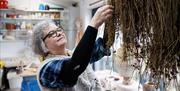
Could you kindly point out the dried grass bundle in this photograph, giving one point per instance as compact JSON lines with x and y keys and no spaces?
{"x":151,"y":32}
{"x":110,"y":29}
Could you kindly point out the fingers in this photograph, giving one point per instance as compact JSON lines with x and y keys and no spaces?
{"x":101,"y":15}
{"x":107,"y":13}
{"x":107,"y":17}
{"x":106,"y":7}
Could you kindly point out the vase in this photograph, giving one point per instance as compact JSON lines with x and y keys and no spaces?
{"x":124,"y":68}
{"x":149,"y":86}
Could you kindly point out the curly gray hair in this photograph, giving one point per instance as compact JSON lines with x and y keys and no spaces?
{"x":38,"y":33}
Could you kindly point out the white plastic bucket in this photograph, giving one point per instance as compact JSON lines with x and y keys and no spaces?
{"x":14,"y":80}
{"x":1,"y":73}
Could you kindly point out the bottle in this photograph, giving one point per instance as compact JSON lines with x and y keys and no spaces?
{"x":47,"y":7}
{"x":41,"y":7}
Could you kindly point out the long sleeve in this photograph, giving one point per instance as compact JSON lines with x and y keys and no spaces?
{"x":80,"y":58}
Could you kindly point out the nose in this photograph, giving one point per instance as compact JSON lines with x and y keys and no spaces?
{"x":59,"y":33}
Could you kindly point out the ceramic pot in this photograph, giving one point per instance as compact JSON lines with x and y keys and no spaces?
{"x":149,"y":86}
{"x":128,"y":84}
{"x":3,"y":4}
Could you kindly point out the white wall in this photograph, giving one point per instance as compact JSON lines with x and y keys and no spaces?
{"x":11,"y":48}
{"x":85,"y":13}
{"x":74,"y":12}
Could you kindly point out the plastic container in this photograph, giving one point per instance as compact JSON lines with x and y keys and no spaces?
{"x":30,"y":84}
{"x":14,"y":80}
{"x":3,"y":4}
{"x":41,"y":7}
{"x":1,"y":73}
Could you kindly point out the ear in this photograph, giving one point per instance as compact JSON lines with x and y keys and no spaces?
{"x":44,"y":48}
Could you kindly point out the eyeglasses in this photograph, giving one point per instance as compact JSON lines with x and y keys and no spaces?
{"x":53,"y":33}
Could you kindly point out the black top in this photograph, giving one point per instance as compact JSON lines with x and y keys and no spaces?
{"x":80,"y":58}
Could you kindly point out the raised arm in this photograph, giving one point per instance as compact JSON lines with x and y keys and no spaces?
{"x":82,"y":54}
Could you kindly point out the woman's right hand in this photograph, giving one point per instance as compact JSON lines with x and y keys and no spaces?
{"x":101,"y":15}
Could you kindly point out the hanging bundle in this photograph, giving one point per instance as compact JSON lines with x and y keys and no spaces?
{"x":109,"y":32}
{"x":151,"y":33}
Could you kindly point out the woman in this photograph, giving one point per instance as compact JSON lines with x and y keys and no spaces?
{"x":62,"y":70}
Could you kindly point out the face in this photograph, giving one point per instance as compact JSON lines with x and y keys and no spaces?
{"x":54,"y":38}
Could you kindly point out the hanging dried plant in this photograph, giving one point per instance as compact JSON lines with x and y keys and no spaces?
{"x":151,"y":32}
{"x":109,"y":33}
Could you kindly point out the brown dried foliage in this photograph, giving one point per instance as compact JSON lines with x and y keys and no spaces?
{"x":153,"y":27}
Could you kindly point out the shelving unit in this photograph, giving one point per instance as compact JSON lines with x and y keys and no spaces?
{"x":18,"y":21}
